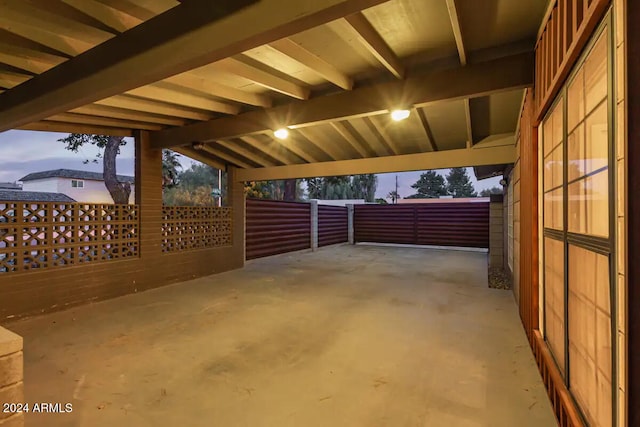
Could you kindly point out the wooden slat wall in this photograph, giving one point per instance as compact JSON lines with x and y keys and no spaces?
{"x":528,"y":189}
{"x":47,"y":290}
{"x":275,"y":227}
{"x":440,"y":224}
{"x":333,"y":225}
{"x":570,"y":25}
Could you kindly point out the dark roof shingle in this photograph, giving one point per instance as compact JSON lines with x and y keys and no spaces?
{"x":73,"y":174}
{"x":33,"y":196}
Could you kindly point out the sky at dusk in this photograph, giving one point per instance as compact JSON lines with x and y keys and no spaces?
{"x":23,"y":152}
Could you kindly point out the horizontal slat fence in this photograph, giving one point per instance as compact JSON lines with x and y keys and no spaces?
{"x":275,"y":227}
{"x":333,"y":225}
{"x":441,"y":224}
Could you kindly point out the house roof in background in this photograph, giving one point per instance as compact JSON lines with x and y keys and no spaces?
{"x":73,"y":174}
{"x":9,"y":186}
{"x":33,"y":196}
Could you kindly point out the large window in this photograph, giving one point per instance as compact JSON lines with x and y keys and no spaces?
{"x":576,"y":153}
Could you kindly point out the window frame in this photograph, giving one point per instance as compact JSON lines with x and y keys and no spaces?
{"x":600,"y":245}
{"x":79,"y":183}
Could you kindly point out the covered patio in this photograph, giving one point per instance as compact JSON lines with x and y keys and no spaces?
{"x":345,"y":336}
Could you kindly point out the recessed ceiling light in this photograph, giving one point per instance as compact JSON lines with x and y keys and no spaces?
{"x":398,"y":115}
{"x":281,"y":133}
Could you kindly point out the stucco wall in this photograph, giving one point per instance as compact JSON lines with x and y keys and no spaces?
{"x":92,"y":192}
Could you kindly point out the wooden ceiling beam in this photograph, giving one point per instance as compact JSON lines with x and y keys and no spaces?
{"x":210,"y":87}
{"x":427,"y":128}
{"x":349,"y":137}
{"x":118,"y":113}
{"x":480,"y":79}
{"x":316,"y":64}
{"x":155,"y":92}
{"x":263,"y":78}
{"x":457,"y":30}
{"x":247,"y":154}
{"x":277,"y":152}
{"x":373,"y":41}
{"x":185,"y":37}
{"x":201,"y":157}
{"x":130,"y":8}
{"x":221,"y":155}
{"x":465,"y":157}
{"x":109,"y":16}
{"x":147,"y":106}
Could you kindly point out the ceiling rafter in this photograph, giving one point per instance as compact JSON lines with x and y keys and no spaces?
{"x":263,"y":78}
{"x":202,"y":157}
{"x":269,"y":148}
{"x":424,"y":122}
{"x":118,"y":113}
{"x":247,"y":154}
{"x":221,"y":155}
{"x":211,"y":87}
{"x":9,"y":79}
{"x":50,"y":126}
{"x":27,"y":59}
{"x":130,"y":8}
{"x":156,"y":92}
{"x":54,"y":31}
{"x":102,"y":121}
{"x":147,"y":106}
{"x":384,"y":135}
{"x":319,"y":143}
{"x":167,"y":45}
{"x":467,"y":116}
{"x":457,"y":30}
{"x":109,"y":16}
{"x":313,"y":62}
{"x":293,"y":145}
{"x":349,"y":137}
{"x":512,"y":72}
{"x":373,"y":41}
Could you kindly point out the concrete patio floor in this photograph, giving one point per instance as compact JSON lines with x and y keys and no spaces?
{"x":346,"y":336}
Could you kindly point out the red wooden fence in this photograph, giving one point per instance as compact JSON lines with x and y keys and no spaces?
{"x":441,"y":224}
{"x":275,"y":227}
{"x":333,"y":225}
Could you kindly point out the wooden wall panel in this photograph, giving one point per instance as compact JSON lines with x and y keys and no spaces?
{"x":632,"y":40}
{"x":567,"y":31}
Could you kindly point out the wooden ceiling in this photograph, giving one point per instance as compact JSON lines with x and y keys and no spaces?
{"x":226,"y":76}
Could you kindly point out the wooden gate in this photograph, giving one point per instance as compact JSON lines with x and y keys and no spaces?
{"x":439,"y":224}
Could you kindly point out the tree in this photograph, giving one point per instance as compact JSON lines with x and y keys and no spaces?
{"x":364,"y":186}
{"x":381,"y":201}
{"x":394,"y":196}
{"x":170,"y":166}
{"x":459,"y":184}
{"x":119,"y":191}
{"x":489,"y":191}
{"x":195,"y":187}
{"x":430,"y":185}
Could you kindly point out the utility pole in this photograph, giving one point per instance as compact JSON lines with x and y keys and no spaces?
{"x":395,"y":199}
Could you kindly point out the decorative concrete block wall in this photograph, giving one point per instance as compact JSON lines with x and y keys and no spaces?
{"x":11,"y":377}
